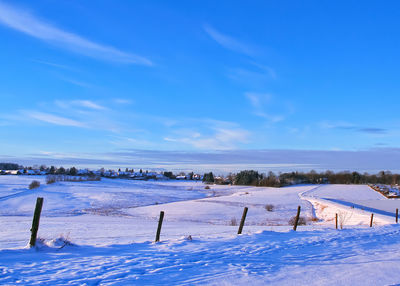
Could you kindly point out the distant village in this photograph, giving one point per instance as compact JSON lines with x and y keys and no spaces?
{"x":380,"y":181}
{"x":126,"y":174}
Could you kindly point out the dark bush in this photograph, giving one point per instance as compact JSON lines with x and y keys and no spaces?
{"x":34,"y":185}
{"x":51,"y":180}
{"x":302,"y":221}
{"x":269,"y":207}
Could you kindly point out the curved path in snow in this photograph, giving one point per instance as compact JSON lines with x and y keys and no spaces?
{"x":353,"y":203}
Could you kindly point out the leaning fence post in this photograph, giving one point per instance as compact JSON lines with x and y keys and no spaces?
{"x":297,"y":218}
{"x":242,"y":220}
{"x":159,"y":226}
{"x":372,"y":218}
{"x":35,"y":221}
{"x":336,"y":221}
{"x":397,"y":215}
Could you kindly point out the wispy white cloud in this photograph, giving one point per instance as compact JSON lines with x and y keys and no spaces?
{"x":76,"y":82}
{"x":336,"y":125}
{"x":53,"y":119}
{"x":251,"y":77}
{"x":256,"y":99}
{"x":221,"y":139}
{"x":229,"y":42}
{"x":127,"y":142}
{"x":51,"y":64}
{"x":87,"y":104}
{"x":253,"y":74}
{"x":77,"y":113}
{"x":27,"y":23}
{"x":258,"y":102}
{"x":266,"y":70}
{"x":123,"y":101}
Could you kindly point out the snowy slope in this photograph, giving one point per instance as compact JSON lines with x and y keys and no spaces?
{"x":113,"y":224}
{"x":106,"y":196}
{"x":221,"y":210}
{"x":120,"y":211}
{"x":328,"y":257}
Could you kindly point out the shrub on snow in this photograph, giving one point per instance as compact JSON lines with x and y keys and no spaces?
{"x":302,"y":220}
{"x":34,"y":185}
{"x":269,"y":207}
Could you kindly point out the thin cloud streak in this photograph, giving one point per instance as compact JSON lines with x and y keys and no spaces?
{"x":51,"y":64}
{"x":53,"y":119}
{"x":76,"y":82}
{"x":27,"y":23}
{"x":87,"y":104}
{"x":222,"y":139}
{"x":228,"y":42}
{"x":352,"y":127}
{"x":372,"y":130}
{"x":257,"y":101}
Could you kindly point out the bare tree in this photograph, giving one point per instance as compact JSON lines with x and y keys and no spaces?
{"x":344,"y":217}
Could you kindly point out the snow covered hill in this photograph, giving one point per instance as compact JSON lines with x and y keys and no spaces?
{"x":112,"y":225}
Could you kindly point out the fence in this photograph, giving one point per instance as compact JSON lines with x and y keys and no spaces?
{"x":39,"y":205}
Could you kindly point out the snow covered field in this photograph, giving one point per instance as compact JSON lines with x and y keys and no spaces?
{"x":112,"y":224}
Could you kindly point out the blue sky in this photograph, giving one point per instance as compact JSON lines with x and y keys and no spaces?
{"x":107,"y":82}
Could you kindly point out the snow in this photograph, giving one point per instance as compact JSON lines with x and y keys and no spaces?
{"x":353,"y":202}
{"x":221,"y":210}
{"x":103,"y":232}
{"x":348,"y":257}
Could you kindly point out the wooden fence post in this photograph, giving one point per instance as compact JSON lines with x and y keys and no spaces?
{"x":397,"y":215}
{"x":297,"y":219}
{"x":372,"y":218}
{"x":242,"y":220}
{"x":336,"y":221}
{"x":160,"y":221}
{"x":35,"y":221}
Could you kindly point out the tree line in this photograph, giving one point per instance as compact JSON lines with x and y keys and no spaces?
{"x":10,"y":166}
{"x":254,"y":178}
{"x":251,"y":177}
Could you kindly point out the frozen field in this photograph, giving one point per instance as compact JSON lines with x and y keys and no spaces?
{"x":112,"y":224}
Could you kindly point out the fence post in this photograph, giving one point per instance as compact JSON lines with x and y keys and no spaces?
{"x":242,"y":220}
{"x":372,"y":218}
{"x":336,"y":221}
{"x":35,"y":221}
{"x":297,"y":218}
{"x":160,"y":221}
{"x":397,"y":215}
